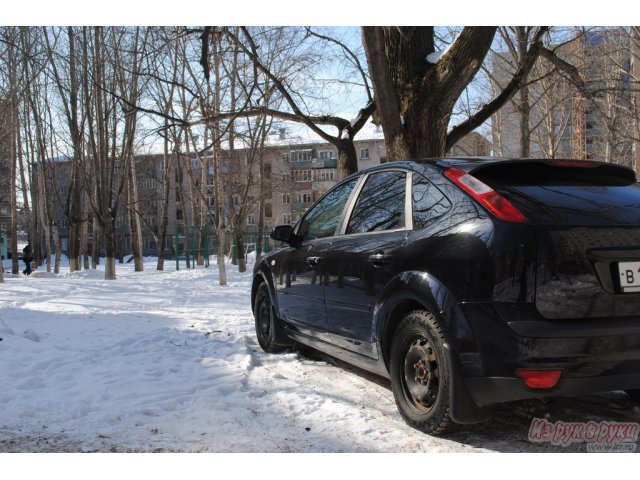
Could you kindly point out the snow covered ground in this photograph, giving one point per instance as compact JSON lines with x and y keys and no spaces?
{"x":168,"y":362}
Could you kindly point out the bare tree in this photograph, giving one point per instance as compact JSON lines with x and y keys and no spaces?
{"x":69,"y":95}
{"x":110,"y":165}
{"x":416,"y":88}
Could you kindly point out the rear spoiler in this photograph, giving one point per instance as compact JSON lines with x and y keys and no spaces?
{"x":489,"y":167}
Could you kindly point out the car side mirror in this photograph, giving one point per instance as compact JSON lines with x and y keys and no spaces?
{"x":283,"y":233}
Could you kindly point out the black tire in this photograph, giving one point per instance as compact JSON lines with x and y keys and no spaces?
{"x":266,"y":323}
{"x":634,"y":393}
{"x":420,"y":378}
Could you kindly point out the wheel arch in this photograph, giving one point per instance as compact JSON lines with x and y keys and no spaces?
{"x":260,"y":276}
{"x":416,"y":290}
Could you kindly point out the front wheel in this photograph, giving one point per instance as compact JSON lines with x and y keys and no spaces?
{"x":420,"y":378}
{"x":266,"y":326}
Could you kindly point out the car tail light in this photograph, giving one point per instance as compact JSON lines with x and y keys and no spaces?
{"x":539,"y":379}
{"x":499,"y":206}
{"x":573,"y":163}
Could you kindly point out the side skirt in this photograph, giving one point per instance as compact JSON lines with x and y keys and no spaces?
{"x":376,"y":367}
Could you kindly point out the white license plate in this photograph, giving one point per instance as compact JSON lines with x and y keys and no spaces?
{"x":629,"y":276}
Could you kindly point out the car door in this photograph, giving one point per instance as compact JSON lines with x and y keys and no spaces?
{"x":299,"y":274}
{"x":365,"y":257}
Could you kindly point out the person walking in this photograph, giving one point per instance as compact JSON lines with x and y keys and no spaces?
{"x":27,"y":257}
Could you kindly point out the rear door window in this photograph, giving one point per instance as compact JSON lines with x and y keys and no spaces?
{"x":381,"y":204}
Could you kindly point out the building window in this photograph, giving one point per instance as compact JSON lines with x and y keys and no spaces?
{"x":268,"y":210}
{"x":326,"y":155}
{"x":4,"y":211}
{"x":305,"y":197}
{"x":302,"y":175}
{"x":286,"y":198}
{"x":301,"y":156}
{"x":236,"y":201}
{"x":324,"y":175}
{"x":286,"y":157}
{"x":286,"y":219}
{"x":364,"y":154}
{"x":251,"y":219}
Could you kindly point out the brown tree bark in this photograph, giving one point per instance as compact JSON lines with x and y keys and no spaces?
{"x":415,"y":97}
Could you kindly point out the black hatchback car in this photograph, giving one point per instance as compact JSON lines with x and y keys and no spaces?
{"x":467,"y":282}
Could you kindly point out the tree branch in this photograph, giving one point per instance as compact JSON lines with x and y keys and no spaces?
{"x":519,"y":77}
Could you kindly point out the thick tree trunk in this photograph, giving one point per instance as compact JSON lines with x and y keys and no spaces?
{"x":414,"y":96}
{"x":525,"y":106}
{"x":347,"y":158}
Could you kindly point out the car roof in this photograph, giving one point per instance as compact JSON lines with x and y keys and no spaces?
{"x":471,"y":164}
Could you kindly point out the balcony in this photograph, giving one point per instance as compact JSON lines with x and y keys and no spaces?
{"x":328,"y":163}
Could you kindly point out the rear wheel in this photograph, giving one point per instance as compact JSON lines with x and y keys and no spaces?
{"x":420,"y":378}
{"x":266,"y":324}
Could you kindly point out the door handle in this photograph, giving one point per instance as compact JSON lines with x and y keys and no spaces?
{"x":314,"y":261}
{"x":379,"y":259}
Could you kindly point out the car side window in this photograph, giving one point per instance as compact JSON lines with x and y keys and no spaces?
{"x":429,"y":203}
{"x":322,"y":220}
{"x":380,"y":205}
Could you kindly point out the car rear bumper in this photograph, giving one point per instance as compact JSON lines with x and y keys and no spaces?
{"x":487,"y":391}
{"x":594,"y":355}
